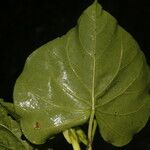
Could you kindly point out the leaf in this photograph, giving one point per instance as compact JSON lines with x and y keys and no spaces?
{"x":76,"y":135}
{"x":96,"y":67}
{"x":10,"y":133}
{"x":72,"y":138}
{"x":9,"y":107}
{"x":81,"y":136}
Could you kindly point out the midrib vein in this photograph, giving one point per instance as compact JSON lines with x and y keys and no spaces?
{"x":94,"y":61}
{"x":91,"y":119}
{"x":93,"y":85}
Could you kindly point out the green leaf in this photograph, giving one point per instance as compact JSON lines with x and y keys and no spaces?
{"x":10,"y":133}
{"x":81,"y":136}
{"x":72,"y":138}
{"x":97,"y":67}
{"x":76,"y":134}
{"x":9,"y":107}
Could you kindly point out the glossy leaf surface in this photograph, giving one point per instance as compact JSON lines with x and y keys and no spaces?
{"x":96,"y":65}
{"x":10,"y":133}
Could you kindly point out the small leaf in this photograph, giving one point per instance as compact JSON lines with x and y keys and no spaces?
{"x":81,"y":136}
{"x":10,"y":133}
{"x":77,"y":134}
{"x":67,"y":136}
{"x":96,"y":67}
{"x":9,"y":108}
{"x":72,"y":138}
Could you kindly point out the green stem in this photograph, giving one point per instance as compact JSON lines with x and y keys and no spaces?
{"x":90,"y":130}
{"x":94,"y":129}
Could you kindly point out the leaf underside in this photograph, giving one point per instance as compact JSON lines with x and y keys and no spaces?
{"x":97,"y":64}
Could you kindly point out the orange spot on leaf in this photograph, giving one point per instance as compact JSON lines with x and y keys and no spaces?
{"x":37,"y":125}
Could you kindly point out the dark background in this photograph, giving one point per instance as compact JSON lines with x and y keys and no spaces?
{"x":27,"y":24}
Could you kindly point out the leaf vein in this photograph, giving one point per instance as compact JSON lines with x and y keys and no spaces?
{"x":124,"y":114}
{"x":71,"y":67}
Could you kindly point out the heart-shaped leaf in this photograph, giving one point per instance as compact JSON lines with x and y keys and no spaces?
{"x":10,"y":133}
{"x":97,"y":67}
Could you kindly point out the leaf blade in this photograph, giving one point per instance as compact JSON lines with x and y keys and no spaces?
{"x":10,"y":133}
{"x":97,"y":66}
